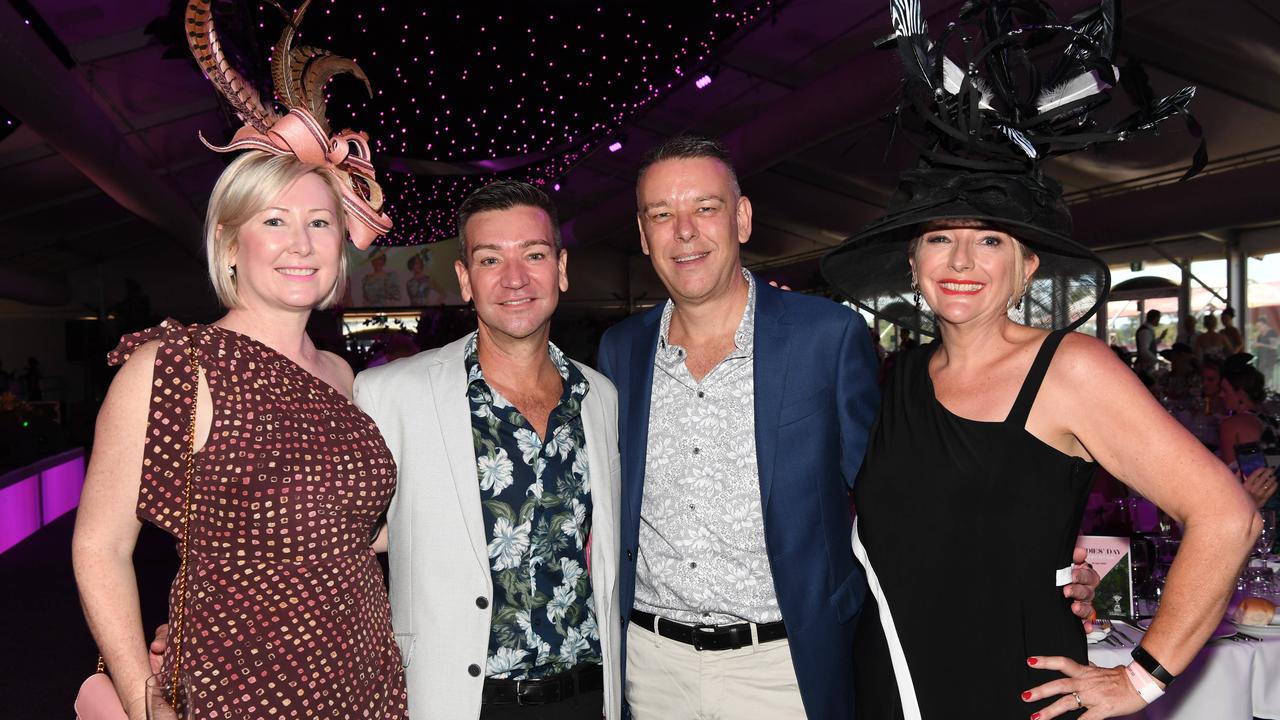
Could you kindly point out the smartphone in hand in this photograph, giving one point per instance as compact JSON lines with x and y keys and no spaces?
{"x":1249,"y":457}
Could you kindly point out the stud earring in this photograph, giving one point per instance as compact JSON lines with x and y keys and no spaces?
{"x":231,"y":270}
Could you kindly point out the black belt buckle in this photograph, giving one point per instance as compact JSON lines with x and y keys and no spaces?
{"x":706,"y":637}
{"x":545,"y":690}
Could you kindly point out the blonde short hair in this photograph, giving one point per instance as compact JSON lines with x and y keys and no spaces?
{"x":245,"y":188}
{"x":1021,"y":253}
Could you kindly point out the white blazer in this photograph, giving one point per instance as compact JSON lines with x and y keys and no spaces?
{"x":441,"y":585}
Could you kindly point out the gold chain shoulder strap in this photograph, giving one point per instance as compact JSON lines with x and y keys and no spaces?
{"x":189,"y":459}
{"x":177,"y":623}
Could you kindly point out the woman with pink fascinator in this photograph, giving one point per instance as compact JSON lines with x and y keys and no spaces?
{"x":239,"y":438}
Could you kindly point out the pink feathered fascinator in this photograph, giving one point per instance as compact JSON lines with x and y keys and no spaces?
{"x":299,"y":75}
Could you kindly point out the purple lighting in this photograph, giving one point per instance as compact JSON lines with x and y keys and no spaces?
{"x":556,"y":187}
{"x":19,"y":511}
{"x":38,"y":494}
{"x":615,"y":146}
{"x":702,"y":81}
{"x":60,"y":488}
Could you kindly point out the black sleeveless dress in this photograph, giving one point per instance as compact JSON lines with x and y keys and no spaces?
{"x":963,"y":528}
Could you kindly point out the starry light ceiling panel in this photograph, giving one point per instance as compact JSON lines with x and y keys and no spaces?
{"x":467,"y":93}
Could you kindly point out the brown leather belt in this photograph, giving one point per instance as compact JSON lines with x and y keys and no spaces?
{"x":541,"y":691}
{"x":709,"y":637}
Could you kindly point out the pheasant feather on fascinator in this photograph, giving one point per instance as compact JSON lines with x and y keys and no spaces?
{"x":299,"y":75}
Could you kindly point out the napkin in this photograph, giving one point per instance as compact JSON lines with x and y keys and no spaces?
{"x":1101,"y":629}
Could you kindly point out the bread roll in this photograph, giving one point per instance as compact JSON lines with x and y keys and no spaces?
{"x":1255,"y":611}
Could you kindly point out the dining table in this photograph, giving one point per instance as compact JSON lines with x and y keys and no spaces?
{"x":1236,"y":677}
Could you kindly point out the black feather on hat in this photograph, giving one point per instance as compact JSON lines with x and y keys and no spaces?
{"x":987,"y":126}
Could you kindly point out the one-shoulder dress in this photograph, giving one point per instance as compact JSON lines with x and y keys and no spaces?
{"x":286,"y":611}
{"x":964,"y":529}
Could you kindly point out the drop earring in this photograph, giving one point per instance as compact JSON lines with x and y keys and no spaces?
{"x":915,"y":290}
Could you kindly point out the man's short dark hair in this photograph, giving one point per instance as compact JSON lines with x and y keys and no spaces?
{"x":1153,"y":316}
{"x":504,"y":195}
{"x":689,"y":147}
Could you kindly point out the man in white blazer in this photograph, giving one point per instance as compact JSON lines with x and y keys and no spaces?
{"x":496,"y":617}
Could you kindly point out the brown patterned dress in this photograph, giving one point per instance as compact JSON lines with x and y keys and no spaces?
{"x":287,"y":614}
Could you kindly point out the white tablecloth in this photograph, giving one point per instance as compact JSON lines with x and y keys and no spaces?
{"x":1229,"y":680}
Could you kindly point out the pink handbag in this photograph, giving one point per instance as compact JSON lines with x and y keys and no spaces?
{"x":97,"y":698}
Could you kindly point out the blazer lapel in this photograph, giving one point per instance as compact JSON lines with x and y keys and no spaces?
{"x":603,"y":513}
{"x":770,"y":352}
{"x":453,"y":414}
{"x":639,"y":388}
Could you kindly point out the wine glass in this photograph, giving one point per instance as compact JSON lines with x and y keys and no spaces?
{"x":158,"y":697}
{"x":405,"y":642}
{"x":1267,"y":537}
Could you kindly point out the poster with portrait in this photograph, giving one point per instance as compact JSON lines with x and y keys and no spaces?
{"x":402,"y":277}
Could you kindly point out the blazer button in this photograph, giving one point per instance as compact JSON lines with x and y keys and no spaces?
{"x":630,"y":555}
{"x":482,"y":602}
{"x":474,"y":670}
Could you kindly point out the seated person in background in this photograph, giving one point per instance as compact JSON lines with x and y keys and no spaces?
{"x":1211,"y":388}
{"x":1243,"y":391}
{"x":1177,"y":380}
{"x":1211,"y":343}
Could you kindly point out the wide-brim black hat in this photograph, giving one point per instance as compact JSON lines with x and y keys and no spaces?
{"x":986,"y":124}
{"x":871,"y":268}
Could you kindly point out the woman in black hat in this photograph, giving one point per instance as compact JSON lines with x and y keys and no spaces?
{"x":989,"y":436}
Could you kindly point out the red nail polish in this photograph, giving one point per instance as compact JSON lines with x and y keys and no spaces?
{"x":1026,"y":695}
{"x":1035,"y":717}
{"x":1032,"y":661}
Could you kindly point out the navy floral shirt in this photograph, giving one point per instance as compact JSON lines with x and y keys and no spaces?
{"x":536,"y":500}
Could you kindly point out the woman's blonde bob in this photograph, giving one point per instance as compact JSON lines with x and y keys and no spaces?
{"x":247,"y":187}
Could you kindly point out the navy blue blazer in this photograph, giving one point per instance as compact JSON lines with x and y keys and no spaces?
{"x":815,"y":399}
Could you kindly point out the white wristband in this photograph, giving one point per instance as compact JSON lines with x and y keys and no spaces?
{"x":1142,"y":682}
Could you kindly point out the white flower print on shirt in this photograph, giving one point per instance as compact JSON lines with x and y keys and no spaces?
{"x":560,"y":602}
{"x":570,"y":570}
{"x":573,"y":526}
{"x":529,"y":443}
{"x":504,"y":661}
{"x":509,"y":544}
{"x":495,"y":472}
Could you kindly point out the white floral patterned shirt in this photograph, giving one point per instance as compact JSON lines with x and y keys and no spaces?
{"x":702,"y":556}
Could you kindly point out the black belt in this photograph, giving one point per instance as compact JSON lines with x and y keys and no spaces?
{"x":541,"y":691}
{"x":709,"y":637}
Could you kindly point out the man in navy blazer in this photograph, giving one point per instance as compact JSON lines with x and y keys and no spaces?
{"x":804,"y":370}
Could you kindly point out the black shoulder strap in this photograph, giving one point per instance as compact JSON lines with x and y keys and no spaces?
{"x":1035,"y":376}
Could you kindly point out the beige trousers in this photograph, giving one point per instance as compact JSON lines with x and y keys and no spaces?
{"x":669,"y":680}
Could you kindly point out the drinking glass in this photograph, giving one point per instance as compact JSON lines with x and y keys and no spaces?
{"x":158,"y":705}
{"x":1257,"y":580}
{"x":1148,"y":593}
{"x":1268,"y":535}
{"x":405,"y":641}
{"x":1167,"y":549}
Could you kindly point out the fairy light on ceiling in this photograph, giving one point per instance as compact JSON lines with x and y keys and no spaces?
{"x":463,"y":95}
